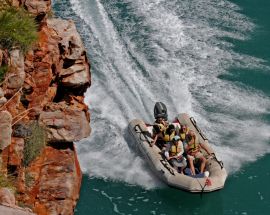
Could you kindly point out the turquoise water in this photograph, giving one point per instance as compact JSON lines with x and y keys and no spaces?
{"x":210,"y":58}
{"x":246,"y":192}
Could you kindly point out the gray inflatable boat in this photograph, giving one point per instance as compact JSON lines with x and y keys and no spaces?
{"x":142,"y":134}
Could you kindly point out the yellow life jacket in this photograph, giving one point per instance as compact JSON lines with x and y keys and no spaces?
{"x":183,"y":135}
{"x":161,"y":126}
{"x":174,"y":150}
{"x":193,"y":148}
{"x":167,"y":137}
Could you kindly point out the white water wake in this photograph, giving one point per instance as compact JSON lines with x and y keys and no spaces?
{"x":150,"y":50}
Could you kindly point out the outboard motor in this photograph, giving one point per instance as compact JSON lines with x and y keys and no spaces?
{"x":160,"y":111}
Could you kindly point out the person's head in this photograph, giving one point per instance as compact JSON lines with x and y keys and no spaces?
{"x":170,"y":129}
{"x":191,"y":135}
{"x":184,"y":128}
{"x":175,"y":139}
{"x":160,"y":120}
{"x":158,"y":128}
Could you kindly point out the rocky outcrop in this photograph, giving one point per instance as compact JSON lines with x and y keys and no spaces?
{"x":64,"y":123}
{"x":75,"y":71}
{"x":8,"y":206}
{"x":55,"y":182}
{"x":14,"y":210}
{"x":7,"y":197}
{"x":5,"y":129}
{"x":38,"y":6}
{"x":16,"y":75}
{"x":45,"y":86}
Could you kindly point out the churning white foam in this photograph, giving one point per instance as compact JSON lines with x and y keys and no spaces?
{"x":170,"y":51}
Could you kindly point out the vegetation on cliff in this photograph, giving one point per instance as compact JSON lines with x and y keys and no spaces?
{"x":18,"y":29}
{"x":7,"y":182}
{"x":34,"y":143}
{"x":3,"y":70}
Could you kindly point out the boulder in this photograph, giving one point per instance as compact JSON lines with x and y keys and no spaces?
{"x":16,"y":75}
{"x":71,"y":45}
{"x":76,"y":69}
{"x":21,"y":130}
{"x":3,"y":100}
{"x":64,"y":124}
{"x":76,"y":75}
{"x":14,"y":210}
{"x":7,"y":197}
{"x":16,"y":70}
{"x":38,"y":7}
{"x":16,"y":151}
{"x":5,"y":129}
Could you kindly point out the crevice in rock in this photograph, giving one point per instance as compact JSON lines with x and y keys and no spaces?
{"x":40,"y":17}
{"x":61,"y":49}
{"x":24,"y":101}
{"x":63,"y":92}
{"x":61,"y":145}
{"x":12,"y":170}
{"x":54,"y":71}
{"x":68,"y":63}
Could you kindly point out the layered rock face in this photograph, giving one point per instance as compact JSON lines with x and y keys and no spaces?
{"x":46,"y":86}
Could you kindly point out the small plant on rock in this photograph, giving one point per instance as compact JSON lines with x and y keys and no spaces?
{"x":7,"y":182}
{"x":34,"y":143}
{"x":18,"y":29}
{"x":3,"y":70}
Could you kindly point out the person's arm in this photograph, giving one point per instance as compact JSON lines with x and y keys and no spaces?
{"x":166,"y":153}
{"x":154,"y":140}
{"x":202,"y":145}
{"x":181,"y":151}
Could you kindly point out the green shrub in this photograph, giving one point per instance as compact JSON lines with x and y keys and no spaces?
{"x":7,"y":182}
{"x":3,"y":70}
{"x":29,"y":179}
{"x":34,"y":143}
{"x":18,"y":29}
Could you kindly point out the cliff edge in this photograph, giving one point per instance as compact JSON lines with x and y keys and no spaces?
{"x":42,"y":113}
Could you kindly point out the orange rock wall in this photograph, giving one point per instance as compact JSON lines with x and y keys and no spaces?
{"x":46,"y":85}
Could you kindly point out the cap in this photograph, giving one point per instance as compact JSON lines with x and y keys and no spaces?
{"x":176,"y":138}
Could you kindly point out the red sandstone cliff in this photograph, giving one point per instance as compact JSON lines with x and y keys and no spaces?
{"x":46,"y":86}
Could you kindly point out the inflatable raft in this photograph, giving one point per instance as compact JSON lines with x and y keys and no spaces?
{"x":142,"y":134}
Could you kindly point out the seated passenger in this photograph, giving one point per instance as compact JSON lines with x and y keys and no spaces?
{"x":183,"y":132}
{"x":157,"y":133}
{"x":168,"y":133}
{"x":162,"y":121}
{"x":193,"y":150}
{"x":165,"y":134}
{"x":174,"y":154}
